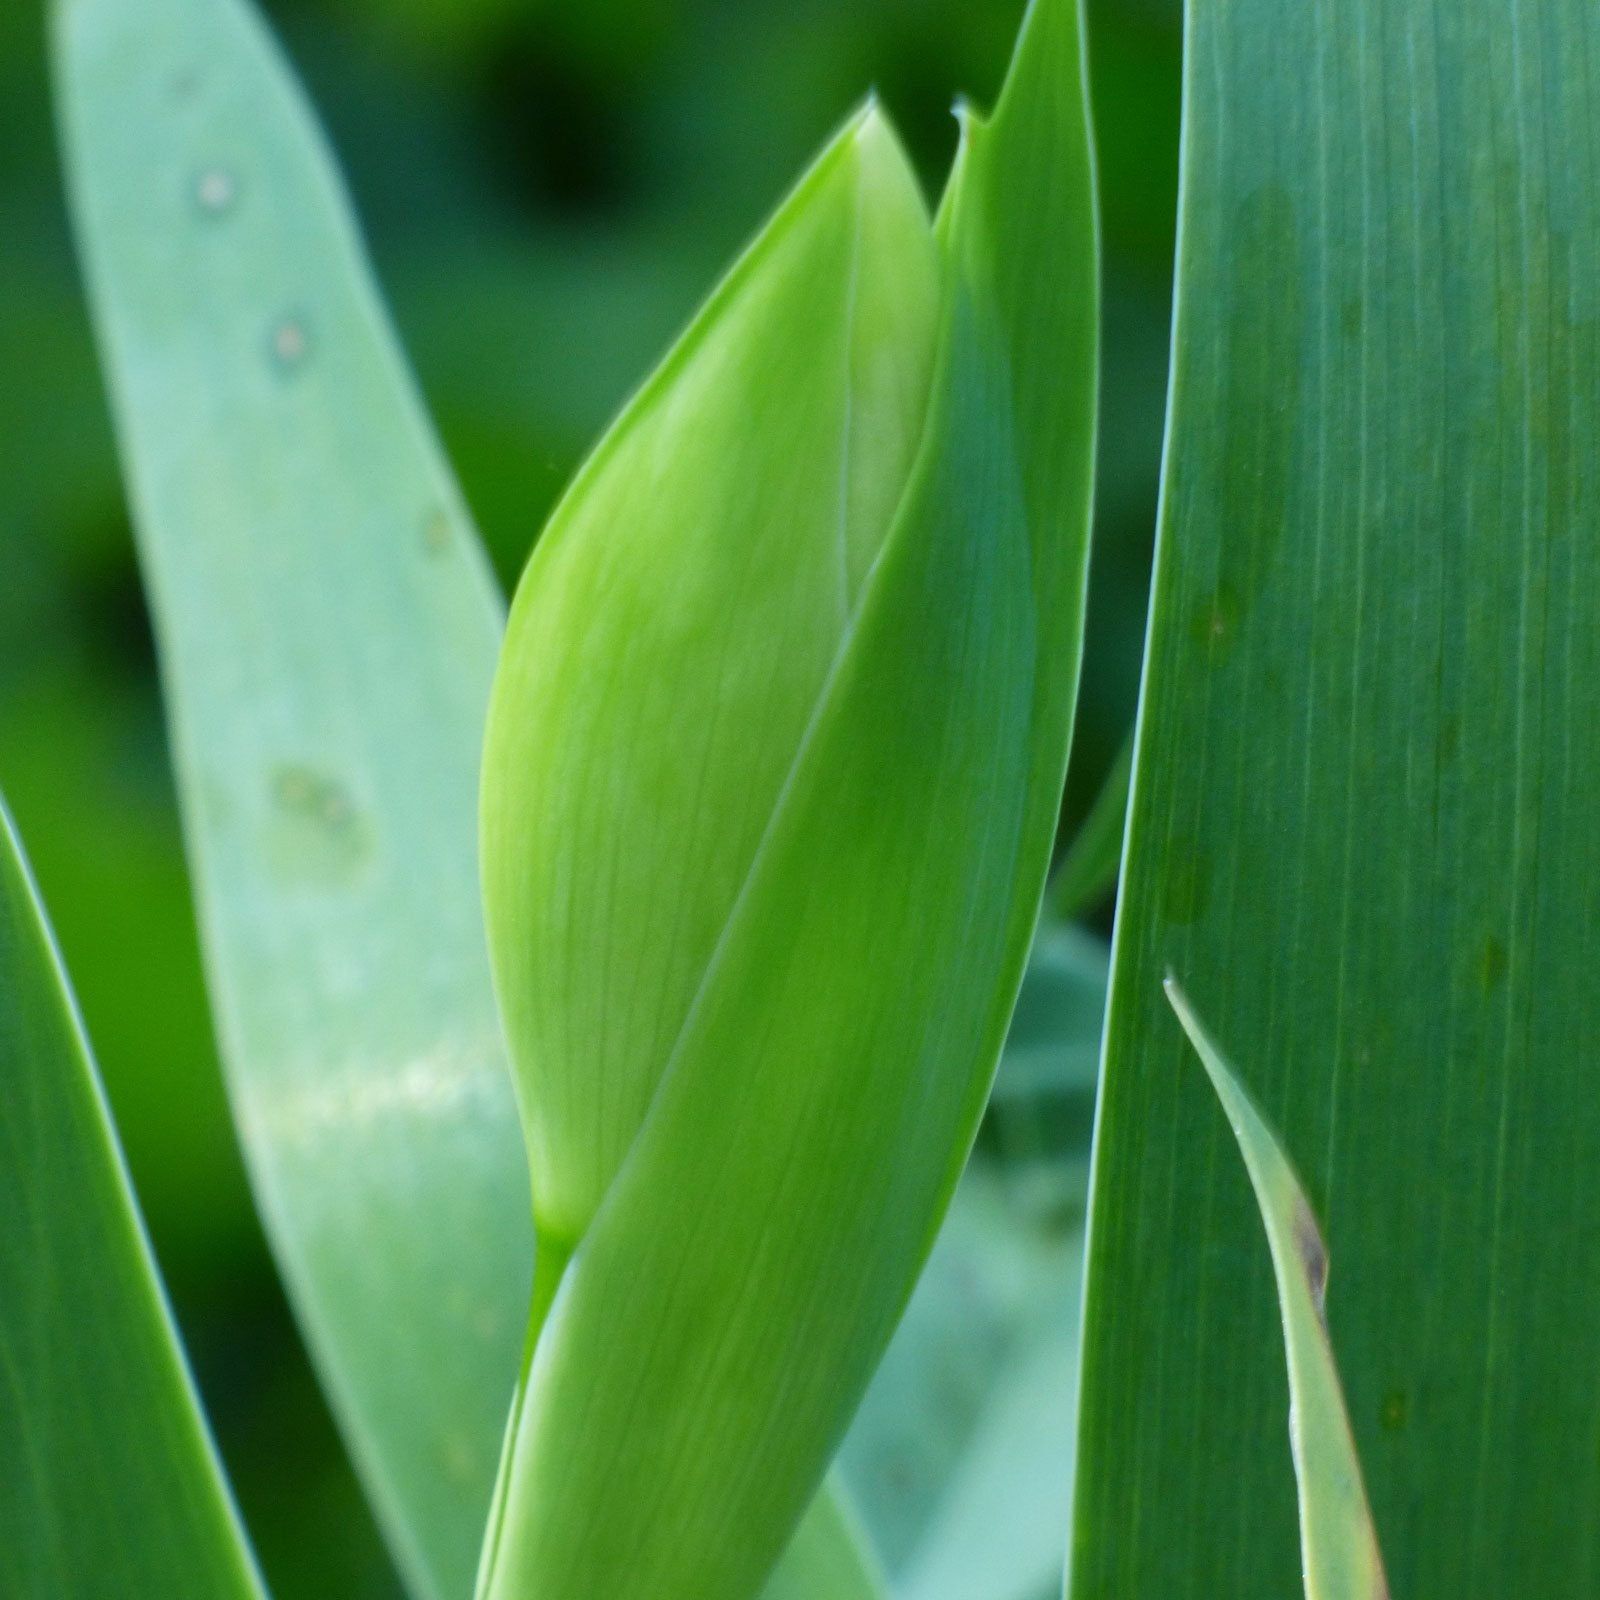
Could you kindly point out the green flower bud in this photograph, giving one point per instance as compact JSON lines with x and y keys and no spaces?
{"x":773,"y":764}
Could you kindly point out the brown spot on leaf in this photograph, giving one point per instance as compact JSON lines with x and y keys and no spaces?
{"x":1313,"y":1255}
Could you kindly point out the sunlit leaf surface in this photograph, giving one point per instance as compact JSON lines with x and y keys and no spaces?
{"x":1362,"y":822}
{"x":1339,"y":1547}
{"x":109,"y":1486}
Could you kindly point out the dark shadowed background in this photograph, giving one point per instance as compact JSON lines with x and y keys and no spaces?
{"x":548,"y":187}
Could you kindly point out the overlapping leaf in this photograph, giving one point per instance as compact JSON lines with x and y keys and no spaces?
{"x":844,"y":751}
{"x":1338,"y":1544}
{"x":328,"y":634}
{"x":961,"y":1456}
{"x":109,"y":1486}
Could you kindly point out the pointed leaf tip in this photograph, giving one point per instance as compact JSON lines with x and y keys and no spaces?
{"x":1339,"y":1544}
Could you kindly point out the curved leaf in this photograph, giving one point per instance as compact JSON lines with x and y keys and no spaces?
{"x":682,"y":619}
{"x":1339,"y":1546}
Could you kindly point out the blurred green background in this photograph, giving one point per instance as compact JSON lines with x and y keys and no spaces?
{"x":548,"y":187}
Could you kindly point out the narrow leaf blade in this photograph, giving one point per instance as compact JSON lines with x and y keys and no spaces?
{"x":1338,"y":1543}
{"x":109,"y":1484}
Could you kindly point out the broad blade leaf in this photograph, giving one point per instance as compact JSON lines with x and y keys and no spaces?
{"x":1338,"y":1545}
{"x":1362,"y":820}
{"x":328,"y":634}
{"x":793,"y":1069}
{"x":109,"y":1485}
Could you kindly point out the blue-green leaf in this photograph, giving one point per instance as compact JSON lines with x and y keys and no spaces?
{"x":328,"y":630}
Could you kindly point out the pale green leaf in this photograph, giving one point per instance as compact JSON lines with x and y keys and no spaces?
{"x":1362,"y":819}
{"x":1338,"y":1544}
{"x":680,"y":621}
{"x":109,"y":1485}
{"x":829,"y":1557}
{"x":328,"y":634}
{"x":960,"y":1458}
{"x":855,"y":814}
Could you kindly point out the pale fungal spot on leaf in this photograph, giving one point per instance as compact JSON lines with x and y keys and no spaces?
{"x":451,"y":1083}
{"x":291,"y":342}
{"x":215,"y":190}
{"x":436,"y":533}
{"x":318,"y":832}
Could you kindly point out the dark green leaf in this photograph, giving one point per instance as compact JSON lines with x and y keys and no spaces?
{"x":109,"y":1486}
{"x":1363,"y":812}
{"x":1088,"y":871}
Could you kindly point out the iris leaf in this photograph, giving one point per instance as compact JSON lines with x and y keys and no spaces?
{"x":1339,"y":1547}
{"x":110,"y":1486}
{"x":1362,"y":812}
{"x":328,"y":631}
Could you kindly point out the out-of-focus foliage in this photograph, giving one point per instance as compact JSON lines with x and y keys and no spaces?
{"x":547,"y":187}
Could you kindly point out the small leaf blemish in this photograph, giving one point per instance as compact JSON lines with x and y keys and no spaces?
{"x":1313,"y":1255}
{"x":215,"y":191}
{"x":291,"y":342}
